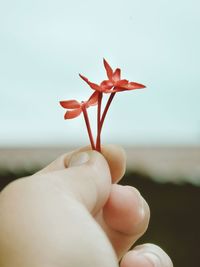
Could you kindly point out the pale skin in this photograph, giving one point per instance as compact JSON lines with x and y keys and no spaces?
{"x":73,"y":213}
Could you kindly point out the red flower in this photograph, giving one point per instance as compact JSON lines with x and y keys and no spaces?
{"x":75,"y":107}
{"x":114,"y":82}
{"x":113,"y":85}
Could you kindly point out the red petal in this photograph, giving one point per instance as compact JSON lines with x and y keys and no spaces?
{"x":121,"y":83}
{"x":108,"y":68}
{"x":73,"y":113}
{"x":93,"y":99}
{"x":92,"y":85}
{"x":106,"y":84}
{"x":71,"y":104}
{"x":116,"y":75}
{"x":117,"y":89}
{"x":133,"y":85}
{"x":109,"y":91}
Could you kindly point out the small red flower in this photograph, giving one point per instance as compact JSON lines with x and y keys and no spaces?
{"x":114,"y":82}
{"x":75,"y":107}
{"x":113,"y":85}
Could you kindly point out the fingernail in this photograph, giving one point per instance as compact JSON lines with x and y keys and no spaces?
{"x":144,"y":258}
{"x":152,"y":258}
{"x":78,"y":159}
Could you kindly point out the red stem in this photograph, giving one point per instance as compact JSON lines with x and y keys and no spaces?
{"x":87,"y":122}
{"x":106,"y":110}
{"x":98,"y":141}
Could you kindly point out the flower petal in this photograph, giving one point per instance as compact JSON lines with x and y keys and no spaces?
{"x":116,"y":75}
{"x":106,"y":84}
{"x":93,"y":99}
{"x":118,"y":89}
{"x":134,"y":85}
{"x":108,"y":68}
{"x":70,"y":104}
{"x":110,"y":91}
{"x":121,"y":83}
{"x":94,"y":86}
{"x":73,"y":113}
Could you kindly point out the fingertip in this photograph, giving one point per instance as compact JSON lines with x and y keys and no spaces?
{"x":146,"y":255}
{"x":78,"y":159}
{"x":132,"y":259}
{"x":115,"y":155}
{"x":92,"y":160}
{"x":116,"y":158}
{"x":88,"y":176}
{"x":126,"y":211}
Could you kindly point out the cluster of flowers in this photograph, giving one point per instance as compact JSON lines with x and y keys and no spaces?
{"x":112,"y":85}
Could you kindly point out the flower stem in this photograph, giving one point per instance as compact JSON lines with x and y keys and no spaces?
{"x":87,"y":122}
{"x":106,"y":110}
{"x":98,"y":141}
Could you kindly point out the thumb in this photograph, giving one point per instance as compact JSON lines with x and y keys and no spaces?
{"x":87,"y":178}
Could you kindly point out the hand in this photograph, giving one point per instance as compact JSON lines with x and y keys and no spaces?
{"x":73,"y":214}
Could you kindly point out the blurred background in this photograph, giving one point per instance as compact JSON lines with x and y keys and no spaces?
{"x":45,"y":44}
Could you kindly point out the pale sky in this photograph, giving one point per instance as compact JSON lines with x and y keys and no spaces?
{"x":45,"y":44}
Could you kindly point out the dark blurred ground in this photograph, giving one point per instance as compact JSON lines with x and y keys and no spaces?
{"x":175,"y":215}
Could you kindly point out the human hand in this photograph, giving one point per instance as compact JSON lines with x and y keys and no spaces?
{"x":73,"y":214}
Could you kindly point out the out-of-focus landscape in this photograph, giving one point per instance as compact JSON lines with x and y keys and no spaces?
{"x":168,"y":178}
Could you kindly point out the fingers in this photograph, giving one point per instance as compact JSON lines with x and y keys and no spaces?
{"x":114,"y":155}
{"x":87,"y":179}
{"x":147,"y":255}
{"x":125,"y":217}
{"x":116,"y":158}
{"x":126,"y":211}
